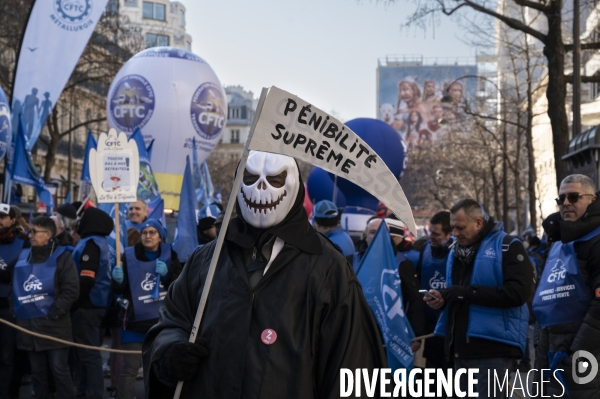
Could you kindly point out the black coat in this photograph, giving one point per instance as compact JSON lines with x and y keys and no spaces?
{"x":584,"y":335}
{"x":313,"y":302}
{"x":58,"y":322}
{"x":517,"y":274}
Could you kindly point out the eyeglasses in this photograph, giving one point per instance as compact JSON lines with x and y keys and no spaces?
{"x":34,"y":231}
{"x":150,"y":233}
{"x":572,"y":197}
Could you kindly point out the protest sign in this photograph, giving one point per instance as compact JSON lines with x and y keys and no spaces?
{"x":114,"y":168}
{"x":291,"y":126}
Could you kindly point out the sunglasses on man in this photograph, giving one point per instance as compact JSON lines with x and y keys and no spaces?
{"x":572,"y":197}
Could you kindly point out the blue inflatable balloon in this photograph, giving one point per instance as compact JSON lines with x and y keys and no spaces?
{"x":386,"y":142}
{"x":320,"y":187}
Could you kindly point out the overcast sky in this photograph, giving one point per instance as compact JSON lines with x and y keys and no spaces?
{"x":324,"y":51}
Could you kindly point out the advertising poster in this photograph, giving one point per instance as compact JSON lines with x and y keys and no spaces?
{"x":420,"y":101}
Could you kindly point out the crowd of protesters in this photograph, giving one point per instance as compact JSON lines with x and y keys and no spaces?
{"x":476,"y":308}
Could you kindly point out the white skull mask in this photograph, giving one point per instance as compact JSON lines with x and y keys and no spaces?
{"x":269,"y":188}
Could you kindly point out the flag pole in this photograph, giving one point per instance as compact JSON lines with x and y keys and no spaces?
{"x":215,"y":258}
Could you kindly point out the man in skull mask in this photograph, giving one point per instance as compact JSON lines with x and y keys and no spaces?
{"x":285,"y":311}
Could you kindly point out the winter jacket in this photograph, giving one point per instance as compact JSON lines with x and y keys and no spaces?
{"x":92,"y":261}
{"x":58,"y":322}
{"x":517,"y":277}
{"x":123,"y":289}
{"x":583,"y":335}
{"x":312,"y":301}
{"x":506,"y":324}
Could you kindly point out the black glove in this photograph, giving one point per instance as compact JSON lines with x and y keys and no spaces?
{"x":56,"y":313}
{"x":180,"y":362}
{"x":456,"y":293}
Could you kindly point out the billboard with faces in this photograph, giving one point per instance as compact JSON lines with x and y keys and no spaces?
{"x":420,"y":102}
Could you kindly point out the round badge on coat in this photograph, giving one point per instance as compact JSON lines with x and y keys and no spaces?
{"x":85,"y":258}
{"x":268,"y":337}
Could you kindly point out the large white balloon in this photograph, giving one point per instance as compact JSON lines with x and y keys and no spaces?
{"x":173,"y":96}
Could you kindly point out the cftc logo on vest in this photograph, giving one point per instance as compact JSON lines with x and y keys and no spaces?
{"x":490,"y":253}
{"x":438,"y":281}
{"x":72,"y":15}
{"x":149,"y":282}
{"x":207,"y":110}
{"x":132,"y":103}
{"x":32,"y":284}
{"x":558,"y":271}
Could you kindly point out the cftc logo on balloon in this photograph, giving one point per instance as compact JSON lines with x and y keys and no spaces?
{"x":208,"y":110}
{"x":132,"y":103}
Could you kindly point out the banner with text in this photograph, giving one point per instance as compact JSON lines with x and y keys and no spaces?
{"x":114,"y":168}
{"x":56,"y":34}
{"x":291,"y":126}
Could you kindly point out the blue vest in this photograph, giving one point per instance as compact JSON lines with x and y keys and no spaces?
{"x":433,"y":275}
{"x":142,"y":279}
{"x":33,"y":285}
{"x":9,"y":254}
{"x":101,"y":290}
{"x":400,"y":257}
{"x":342,"y":239}
{"x":562,"y":296}
{"x":506,"y":325}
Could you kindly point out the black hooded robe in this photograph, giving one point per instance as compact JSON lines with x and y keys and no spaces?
{"x":314,"y":303}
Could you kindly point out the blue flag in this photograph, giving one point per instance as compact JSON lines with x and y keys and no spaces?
{"x":111,"y":239}
{"x":186,"y":236}
{"x":147,"y":187}
{"x":24,"y":171}
{"x":68,"y":198}
{"x":379,"y":277}
{"x":85,"y":170}
{"x":149,"y":149}
{"x":209,"y":190}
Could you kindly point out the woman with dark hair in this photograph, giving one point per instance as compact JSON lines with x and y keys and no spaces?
{"x":45,"y":286}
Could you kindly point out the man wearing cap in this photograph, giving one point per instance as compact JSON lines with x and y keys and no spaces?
{"x":485,"y":318}
{"x":137,"y":214}
{"x":409,"y":284}
{"x":12,"y":241}
{"x":67,"y":213}
{"x":206,"y":223}
{"x":327,"y":222}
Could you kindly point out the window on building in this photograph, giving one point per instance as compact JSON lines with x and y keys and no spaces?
{"x":181,"y":18}
{"x":234,"y":113}
{"x":131,"y":3}
{"x":154,"y":40}
{"x":235,"y":136}
{"x":154,"y":11}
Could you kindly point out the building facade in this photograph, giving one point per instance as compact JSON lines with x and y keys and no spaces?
{"x":159,"y":22}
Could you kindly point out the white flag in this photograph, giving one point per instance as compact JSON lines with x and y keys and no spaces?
{"x":56,"y":34}
{"x":291,"y":126}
